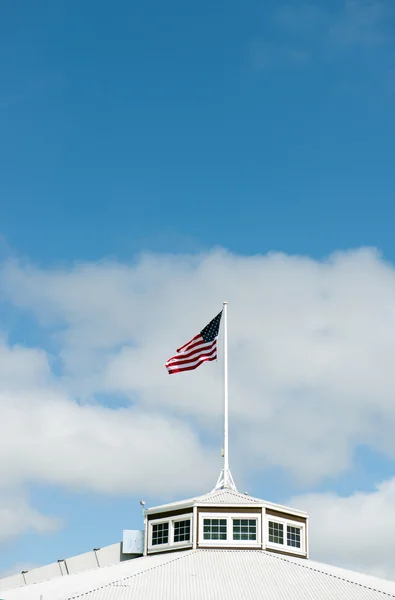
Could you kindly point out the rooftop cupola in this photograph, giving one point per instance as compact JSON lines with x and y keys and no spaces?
{"x":225,"y":518}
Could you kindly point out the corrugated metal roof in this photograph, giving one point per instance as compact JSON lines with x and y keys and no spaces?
{"x":224,"y":496}
{"x":227,"y":496}
{"x":214,"y":574}
{"x":70,"y":585}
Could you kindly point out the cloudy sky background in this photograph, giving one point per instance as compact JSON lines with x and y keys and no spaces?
{"x":93,"y":411}
{"x":153,"y":164}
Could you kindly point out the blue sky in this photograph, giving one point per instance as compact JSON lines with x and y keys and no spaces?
{"x":275,"y":121}
{"x":135,"y":134}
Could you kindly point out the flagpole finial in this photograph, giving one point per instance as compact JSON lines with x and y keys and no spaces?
{"x":224,"y":302}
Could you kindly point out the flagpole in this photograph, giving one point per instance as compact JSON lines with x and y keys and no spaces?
{"x":226,"y":398}
{"x":225,"y":479}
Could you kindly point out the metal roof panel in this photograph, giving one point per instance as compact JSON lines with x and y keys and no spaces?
{"x":213,"y":574}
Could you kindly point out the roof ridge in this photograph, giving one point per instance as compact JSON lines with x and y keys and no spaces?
{"x":310,"y":568}
{"x":119,"y":581}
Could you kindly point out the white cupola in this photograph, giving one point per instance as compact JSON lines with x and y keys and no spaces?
{"x":228,"y":519}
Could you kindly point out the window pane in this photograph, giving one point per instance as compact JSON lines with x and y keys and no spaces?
{"x":293,"y":536}
{"x":182,"y":531}
{"x":244,"y":529}
{"x":160,"y":534}
{"x":214,"y":529}
{"x":276,"y":532}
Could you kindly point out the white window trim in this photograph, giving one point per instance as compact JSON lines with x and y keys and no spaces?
{"x":170,"y":544}
{"x":228,"y":517}
{"x":183,"y":542}
{"x":285,"y":547}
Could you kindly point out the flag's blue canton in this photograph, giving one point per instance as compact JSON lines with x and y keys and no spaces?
{"x":210,"y":332}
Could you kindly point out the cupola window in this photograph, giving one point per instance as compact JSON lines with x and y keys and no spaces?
{"x":231,"y":530}
{"x":293,"y":536}
{"x":244,"y":529}
{"x":182,"y":531}
{"x":160,"y":534}
{"x":276,"y":532}
{"x":214,"y":529}
{"x":286,"y":535}
{"x":172,"y":532}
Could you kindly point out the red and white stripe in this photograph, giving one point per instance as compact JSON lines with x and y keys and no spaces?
{"x":192,"y":354}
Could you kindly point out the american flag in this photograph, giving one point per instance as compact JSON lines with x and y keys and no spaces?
{"x":200,"y":349}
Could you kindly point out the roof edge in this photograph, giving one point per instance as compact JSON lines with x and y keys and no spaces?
{"x":200,"y":503}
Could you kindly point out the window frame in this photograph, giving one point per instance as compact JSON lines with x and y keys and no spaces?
{"x":284,"y":546}
{"x":229,"y":541}
{"x":300,"y":536}
{"x":171,"y":543}
{"x":164,"y":522}
{"x":220,"y":540}
{"x":245,"y":518}
{"x":182,"y":542}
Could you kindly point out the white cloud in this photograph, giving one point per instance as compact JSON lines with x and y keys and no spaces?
{"x":17,"y":516}
{"x":357,"y":532}
{"x":47,"y":437}
{"x":311,"y":371}
{"x":311,"y":345}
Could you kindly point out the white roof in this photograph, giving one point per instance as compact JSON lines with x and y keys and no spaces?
{"x":227,"y":496}
{"x":224,"y":496}
{"x":212,"y":574}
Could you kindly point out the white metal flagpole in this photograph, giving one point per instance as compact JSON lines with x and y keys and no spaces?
{"x":226,"y":398}
{"x":225,"y":479}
